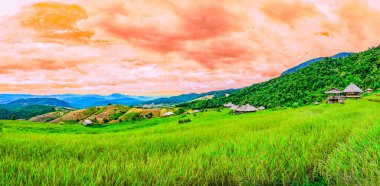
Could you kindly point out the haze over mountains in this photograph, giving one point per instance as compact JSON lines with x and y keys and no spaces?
{"x":90,"y":100}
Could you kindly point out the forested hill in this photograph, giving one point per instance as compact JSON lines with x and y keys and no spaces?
{"x":307,"y":85}
{"x":307,"y":63}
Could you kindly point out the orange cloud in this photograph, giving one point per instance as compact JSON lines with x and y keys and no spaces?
{"x":193,"y":22}
{"x":323,"y":33}
{"x":54,"y":21}
{"x":288,"y":12}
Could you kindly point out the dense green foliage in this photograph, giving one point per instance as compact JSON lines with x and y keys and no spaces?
{"x":336,"y":144}
{"x":307,"y":85}
{"x":307,"y":63}
{"x":25,"y":112}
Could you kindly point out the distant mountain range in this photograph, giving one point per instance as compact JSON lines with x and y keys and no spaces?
{"x":307,"y":63}
{"x":74,"y":100}
{"x":90,"y":100}
{"x":35,"y":101}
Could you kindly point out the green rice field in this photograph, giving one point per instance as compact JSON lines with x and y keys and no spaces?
{"x":335,"y":144}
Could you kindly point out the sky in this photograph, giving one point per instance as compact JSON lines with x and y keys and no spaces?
{"x":170,"y":47}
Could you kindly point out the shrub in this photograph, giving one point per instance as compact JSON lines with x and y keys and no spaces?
{"x":180,"y":111}
{"x":94,"y":120}
{"x":184,"y":120}
{"x":105,"y":120}
{"x":149,"y":115}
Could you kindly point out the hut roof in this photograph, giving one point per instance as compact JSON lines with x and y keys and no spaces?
{"x":261,"y":108}
{"x":229,"y":104}
{"x":234,"y":107}
{"x":246,"y":108}
{"x":87,"y":122}
{"x":352,"y":88}
{"x":368,"y":89}
{"x":168,"y":114}
{"x":333,"y":91}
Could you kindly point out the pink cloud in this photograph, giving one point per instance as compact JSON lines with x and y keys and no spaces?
{"x":173,"y":47}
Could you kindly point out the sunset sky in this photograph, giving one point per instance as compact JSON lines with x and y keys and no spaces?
{"x":163,"y":47}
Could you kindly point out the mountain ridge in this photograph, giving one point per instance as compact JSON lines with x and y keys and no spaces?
{"x":311,"y":61}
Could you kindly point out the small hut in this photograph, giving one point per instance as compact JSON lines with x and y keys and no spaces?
{"x":352,"y":91}
{"x":368,"y":90}
{"x":335,"y":96}
{"x":168,"y":114}
{"x":87,"y":122}
{"x":245,"y":109}
{"x":261,"y":108}
{"x":228,"y":105}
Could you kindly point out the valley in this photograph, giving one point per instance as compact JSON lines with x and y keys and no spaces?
{"x":316,"y":144}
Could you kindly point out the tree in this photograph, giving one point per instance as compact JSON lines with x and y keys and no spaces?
{"x":95,"y":120}
{"x":149,"y":115}
{"x":14,"y":117}
{"x":180,"y":111}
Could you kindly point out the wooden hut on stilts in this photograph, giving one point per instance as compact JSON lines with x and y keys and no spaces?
{"x":335,"y":96}
{"x":352,"y":91}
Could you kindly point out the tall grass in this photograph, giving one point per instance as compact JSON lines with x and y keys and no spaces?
{"x":325,"y":144}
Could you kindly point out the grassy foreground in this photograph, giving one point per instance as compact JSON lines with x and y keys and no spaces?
{"x":325,"y":144}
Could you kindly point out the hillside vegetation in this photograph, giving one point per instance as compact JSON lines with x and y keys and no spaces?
{"x":101,"y":114}
{"x":336,"y":144}
{"x":307,"y":63}
{"x":25,"y":112}
{"x":35,"y":101}
{"x":308,"y":84}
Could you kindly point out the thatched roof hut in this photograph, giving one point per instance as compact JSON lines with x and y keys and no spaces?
{"x":352,"y":88}
{"x":368,"y":90}
{"x":246,"y":108}
{"x":228,"y":105}
{"x":261,"y":108}
{"x":234,"y":107}
{"x":87,"y":122}
{"x":333,"y":91}
{"x":335,"y":96}
{"x":168,"y":114}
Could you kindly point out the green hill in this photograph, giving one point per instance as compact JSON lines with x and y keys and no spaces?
{"x":25,"y":112}
{"x":34,"y":101}
{"x":327,"y":144}
{"x":307,"y":85}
